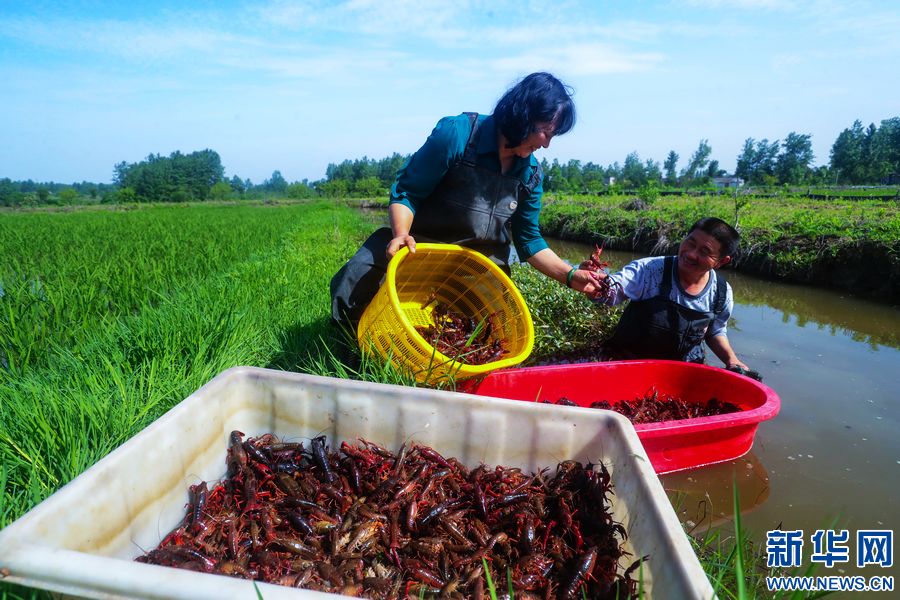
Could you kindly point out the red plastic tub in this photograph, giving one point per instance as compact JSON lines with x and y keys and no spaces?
{"x":671,"y":445}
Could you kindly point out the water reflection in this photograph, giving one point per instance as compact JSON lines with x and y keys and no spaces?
{"x":703,"y":497}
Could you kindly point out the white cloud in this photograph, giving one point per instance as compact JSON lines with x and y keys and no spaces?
{"x":130,"y":40}
{"x":743,"y":4}
{"x":578,"y":59}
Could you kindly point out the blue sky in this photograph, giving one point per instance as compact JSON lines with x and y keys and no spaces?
{"x":295,"y":85}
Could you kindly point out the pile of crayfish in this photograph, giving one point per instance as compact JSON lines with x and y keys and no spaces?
{"x":364,"y":521}
{"x":653,"y":407}
{"x":606,"y":287}
{"x":464,"y":339}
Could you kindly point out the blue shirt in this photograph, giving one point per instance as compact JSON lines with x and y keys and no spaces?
{"x":446,"y":144}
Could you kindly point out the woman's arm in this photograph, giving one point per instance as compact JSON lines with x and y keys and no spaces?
{"x":547,"y":262}
{"x":401,"y":220}
{"x":417,"y":179}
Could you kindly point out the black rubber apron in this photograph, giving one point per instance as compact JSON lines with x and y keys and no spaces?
{"x":471,"y":206}
{"x":661,"y":328}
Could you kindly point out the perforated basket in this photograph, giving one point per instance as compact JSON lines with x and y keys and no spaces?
{"x":466,"y":282}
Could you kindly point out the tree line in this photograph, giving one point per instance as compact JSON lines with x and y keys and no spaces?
{"x":858,"y":156}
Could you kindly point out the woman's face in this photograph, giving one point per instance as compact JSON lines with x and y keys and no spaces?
{"x":540,"y":138}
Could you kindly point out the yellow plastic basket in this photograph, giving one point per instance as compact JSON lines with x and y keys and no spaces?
{"x":464,"y":280}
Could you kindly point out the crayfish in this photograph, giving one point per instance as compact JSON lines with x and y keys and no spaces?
{"x":605,"y":286}
{"x":654,"y":407}
{"x":461,"y":338}
{"x":363,"y":521}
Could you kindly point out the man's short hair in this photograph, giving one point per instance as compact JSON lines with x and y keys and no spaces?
{"x":721,"y":231}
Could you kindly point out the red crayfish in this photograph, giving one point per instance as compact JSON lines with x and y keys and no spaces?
{"x":605,"y":285}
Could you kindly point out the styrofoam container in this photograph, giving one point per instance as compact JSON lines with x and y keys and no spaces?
{"x":82,"y":540}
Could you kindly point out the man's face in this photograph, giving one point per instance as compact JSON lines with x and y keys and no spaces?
{"x":701,"y":252}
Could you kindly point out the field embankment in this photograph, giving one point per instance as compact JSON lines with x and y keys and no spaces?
{"x":852,"y":245}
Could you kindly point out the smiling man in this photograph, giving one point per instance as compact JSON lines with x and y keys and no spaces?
{"x":677,"y":302}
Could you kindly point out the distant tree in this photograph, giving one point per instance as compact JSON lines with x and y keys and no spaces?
{"x":756,"y":163}
{"x":847,"y":155}
{"x":120,"y":171}
{"x":553,"y":177}
{"x":669,"y":166}
{"x":178,"y":177}
{"x":276,"y":183}
{"x":237,"y":185}
{"x":885,"y":150}
{"x":573,"y":177}
{"x":220,"y":190}
{"x":592,"y":177}
{"x":387,"y":168}
{"x":699,"y":160}
{"x":9,"y":193}
{"x":301,"y":190}
{"x":68,"y":196}
{"x":633,"y":173}
{"x":793,"y":164}
{"x":43,"y":194}
{"x":368,"y":187}
{"x":746,"y":161}
{"x":125,"y":194}
{"x":652,"y":172}
{"x":712,"y":170}
{"x":335,"y":188}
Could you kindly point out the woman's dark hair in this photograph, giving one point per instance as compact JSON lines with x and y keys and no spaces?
{"x":539,"y":98}
{"x":720,"y":231}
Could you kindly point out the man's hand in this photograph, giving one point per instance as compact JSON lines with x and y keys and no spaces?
{"x":736,"y":365}
{"x":742,"y":369}
{"x":398,"y":242}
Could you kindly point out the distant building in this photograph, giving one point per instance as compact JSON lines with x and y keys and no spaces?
{"x":727,"y":182}
{"x":610,"y":181}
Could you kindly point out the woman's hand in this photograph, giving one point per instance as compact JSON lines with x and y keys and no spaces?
{"x":398,"y":242}
{"x":587,"y":282}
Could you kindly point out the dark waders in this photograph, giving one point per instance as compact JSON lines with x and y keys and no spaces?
{"x":471,"y":206}
{"x":663,"y":329}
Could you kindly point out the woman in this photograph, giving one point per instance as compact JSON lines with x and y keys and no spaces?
{"x":475,"y":182}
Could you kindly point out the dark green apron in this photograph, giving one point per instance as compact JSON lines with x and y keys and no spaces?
{"x":471,"y":206}
{"x":663,"y":329}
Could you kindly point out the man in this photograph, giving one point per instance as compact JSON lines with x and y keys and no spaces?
{"x":677,"y":302}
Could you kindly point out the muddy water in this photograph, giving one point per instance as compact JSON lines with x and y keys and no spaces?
{"x":833,"y":452}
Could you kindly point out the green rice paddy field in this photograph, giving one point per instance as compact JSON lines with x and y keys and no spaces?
{"x":109,"y":318}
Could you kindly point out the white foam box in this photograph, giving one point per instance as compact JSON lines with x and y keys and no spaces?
{"x":82,"y":540}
